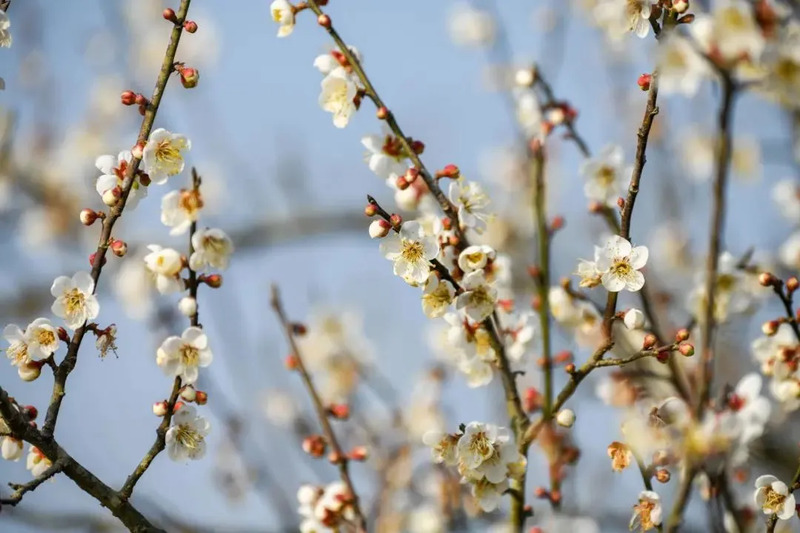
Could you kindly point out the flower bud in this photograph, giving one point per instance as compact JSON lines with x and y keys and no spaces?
{"x":200,"y":397}
{"x":680,"y":6}
{"x":160,"y":408}
{"x":62,"y":334}
{"x":557,"y":223}
{"x":299,"y":329}
{"x":532,"y":399}
{"x":662,"y":356}
{"x":556,"y":116}
{"x":358,"y":453}
{"x":112,"y":196}
{"x":137,"y":151}
{"x":189,"y":77}
{"x":127,"y":97}
{"x":634,"y":319}
{"x":169,"y":14}
{"x":119,"y":248}
{"x":188,"y":393}
{"x":770,"y":327}
{"x":190,"y":26}
{"x":396,"y":220}
{"x":88,"y":216}
{"x":314,"y":445}
{"x":686,"y":349}
{"x":661,"y":475}
{"x":324,"y":21}
{"x":525,"y":77}
{"x":792,"y":284}
{"x":541,"y":492}
{"x":187,"y":306}
{"x":595,"y":207}
{"x":565,"y":418}
{"x":644,"y":81}
{"x":449,"y":171}
{"x":766,"y":279}
{"x":682,"y":335}
{"x":214,"y":281}
{"x":31,"y":412}
{"x":140,"y":100}
{"x":291,"y":362}
{"x":418,"y":147}
{"x":340,"y":411}
{"x":382,"y":113}
{"x":92,"y":258}
{"x":30,"y":371}
{"x":562,"y":357}
{"x":371,"y":210}
{"x":570,"y":368}
{"x":402,"y":183}
{"x":177,"y":407}
{"x":336,"y":458}
{"x":411,"y":174}
{"x":650,"y":340}
{"x":379,"y":228}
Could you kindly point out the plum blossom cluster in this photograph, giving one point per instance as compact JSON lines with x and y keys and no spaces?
{"x":485,"y":456}
{"x":327,"y":508}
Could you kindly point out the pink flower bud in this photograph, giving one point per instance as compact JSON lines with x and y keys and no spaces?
{"x":340,"y":411}
{"x":314,"y":445}
{"x":358,"y":453}
{"x":382,"y":113}
{"x":379,"y":228}
{"x":449,"y":171}
{"x":324,"y":21}
{"x":93,"y":257}
{"x":62,"y":334}
{"x":190,"y":26}
{"x":680,"y":6}
{"x":370,"y":210}
{"x":792,"y":284}
{"x":112,"y":196}
{"x":128,"y":97}
{"x":686,"y":349}
{"x":137,"y":151}
{"x":396,"y":220}
{"x":402,"y":183}
{"x":160,"y":408}
{"x":661,"y":475}
{"x":200,"y":397}
{"x":189,"y":77}
{"x":766,"y":279}
{"x":30,"y":371}
{"x":650,"y":340}
{"x":88,"y":216}
{"x":31,"y":412}
{"x":169,"y":14}
{"x":411,"y":174}
{"x":644,"y":81}
{"x":682,"y":335}
{"x":140,"y":100}
{"x":770,"y":327}
{"x":291,"y":362}
{"x":119,"y":248}
{"x":214,"y":281}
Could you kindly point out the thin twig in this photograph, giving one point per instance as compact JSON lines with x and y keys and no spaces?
{"x":681,"y":499}
{"x":21,"y":490}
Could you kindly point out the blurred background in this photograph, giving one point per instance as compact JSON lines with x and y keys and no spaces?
{"x":290,"y":190}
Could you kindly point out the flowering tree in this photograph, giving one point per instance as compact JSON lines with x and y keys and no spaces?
{"x":656,"y":323}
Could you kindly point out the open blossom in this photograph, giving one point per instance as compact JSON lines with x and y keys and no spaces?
{"x":437,"y":296}
{"x":327,"y":63}
{"x":786,"y":195}
{"x":179,"y":209}
{"x":5,"y":33}
{"x":772,"y":497}
{"x":589,"y":273}
{"x":469,"y":26}
{"x":621,"y":456}
{"x":10,"y":448}
{"x":411,"y":250}
{"x":731,"y":296}
{"x":166,"y":264}
{"x":443,"y":446}
{"x":283,"y":13}
{"x":163,"y":155}
{"x":114,"y":169}
{"x":75,"y":301}
{"x":17,"y":350}
{"x":604,"y":175}
{"x":36,"y":462}
{"x":751,"y":408}
{"x":479,"y":298}
{"x":471,"y":201}
{"x":619,"y":17}
{"x":338,"y":95}
{"x":518,"y":328}
{"x":183,"y":356}
{"x":647,"y":513}
{"x":475,"y":257}
{"x":385,"y":155}
{"x":730,"y":32}
{"x":476,"y":445}
{"x":186,"y":436}
{"x":680,"y":68}
{"x":42,"y":339}
{"x":212,"y":248}
{"x":620,"y":263}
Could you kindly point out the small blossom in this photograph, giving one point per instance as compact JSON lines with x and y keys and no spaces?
{"x":634,"y":319}
{"x":183,"y":356}
{"x":476,"y":445}
{"x":212,"y":248}
{"x":772,"y":497}
{"x":590,"y":275}
{"x":565,"y":418}
{"x":163,"y":155}
{"x":179,"y":209}
{"x":680,"y":68}
{"x":114,"y":170}
{"x":187,"y":306}
{"x":337,"y":96}
{"x":10,"y":448}
{"x":75,"y":301}
{"x":647,"y":513}
{"x":283,"y":13}
{"x":36,"y":462}
{"x":5,"y":33}
{"x":42,"y":339}
{"x":411,"y":250}
{"x":620,"y":264}
{"x":475,"y":257}
{"x":621,"y":456}
{"x":185,"y":439}
{"x":166,"y":264}
{"x":437,"y":296}
{"x":379,"y":229}
{"x":519,"y":329}
{"x":107,"y":341}
{"x":479,"y":298}
{"x":471,"y":27}
{"x":471,"y":201}
{"x":443,"y":446}
{"x":604,"y":175}
{"x":385,"y":154}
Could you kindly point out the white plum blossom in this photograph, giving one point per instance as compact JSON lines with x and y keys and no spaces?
{"x":471,"y":201}
{"x":186,"y":436}
{"x":620,"y":264}
{"x":42,"y":339}
{"x":731,"y":296}
{"x":647,"y":513}
{"x":620,"y":17}
{"x":477,"y":371}
{"x":337,"y":96}
{"x":750,"y":407}
{"x":166,"y":264}
{"x":437,"y":296}
{"x":11,"y":448}
{"x":327,"y":63}
{"x":680,"y":68}
{"x":475,"y":257}
{"x":786,"y":195}
{"x":36,"y":462}
{"x":773,"y":498}
{"x":411,"y":251}
{"x":604,"y":175}
{"x":789,"y":251}
{"x":283,"y":13}
{"x":17,"y":351}
{"x":731,"y":31}
{"x":183,"y":356}
{"x":469,"y":26}
{"x":528,"y":112}
{"x":179,"y":209}
{"x":443,"y":446}
{"x":163,"y":155}
{"x":75,"y":299}
{"x":479,"y":298}
{"x":5,"y":33}
{"x":114,"y":170}
{"x":385,"y":154}
{"x":590,"y":275}
{"x":518,"y":328}
{"x":212,"y":248}
{"x":476,"y":445}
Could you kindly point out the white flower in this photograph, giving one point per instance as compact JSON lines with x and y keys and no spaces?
{"x":634,"y":319}
{"x":471,"y":201}
{"x":437,"y":296}
{"x":772,"y":497}
{"x":786,"y":195}
{"x":443,"y":446}
{"x":519,"y":329}
{"x":75,"y":301}
{"x":338,"y":92}
{"x":620,"y":264}
{"x":17,"y":350}
{"x":731,"y":31}
{"x":528,"y":112}
{"x":283,"y":13}
{"x":42,"y":339}
{"x":162,"y":155}
{"x":179,"y":209}
{"x":604,"y":175}
{"x":589,"y":273}
{"x":10,"y":448}
{"x":327,"y":63}
{"x":469,"y":26}
{"x":565,"y":418}
{"x":647,"y":513}
{"x":5,"y":34}
{"x":475,"y":257}
{"x":182,"y":356}
{"x":731,"y":295}
{"x":488,"y":494}
{"x":185,"y":439}
{"x":114,"y":169}
{"x":619,"y":17}
{"x":166,"y":264}
{"x":750,"y":407}
{"x":479,"y":298}
{"x":385,"y":155}
{"x":476,"y":445}
{"x":680,"y":67}
{"x":789,"y":252}
{"x":36,"y":462}
{"x":212,"y":247}
{"x":411,"y":250}
{"x":477,"y":371}
{"x":187,"y":306}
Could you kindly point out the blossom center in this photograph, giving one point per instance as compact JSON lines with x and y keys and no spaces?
{"x":188,"y":437}
{"x":622,"y":267}
{"x":167,"y":153}
{"x":773,"y":500}
{"x":74,"y":300}
{"x":190,"y":201}
{"x":644,"y":509}
{"x":606,"y":175}
{"x":479,"y":444}
{"x":45,"y":337}
{"x":18,"y":352}
{"x":190,"y":355}
{"x":412,"y":251}
{"x":392,"y":147}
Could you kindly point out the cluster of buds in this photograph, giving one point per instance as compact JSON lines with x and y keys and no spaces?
{"x":557,"y":114}
{"x":131,"y":98}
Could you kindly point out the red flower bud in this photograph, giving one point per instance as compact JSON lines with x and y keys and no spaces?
{"x":644,"y":81}
{"x":128,"y":98}
{"x":190,"y":26}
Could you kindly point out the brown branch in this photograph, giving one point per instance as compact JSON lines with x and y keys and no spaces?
{"x":21,"y":489}
{"x":71,"y":359}
{"x":322,"y":414}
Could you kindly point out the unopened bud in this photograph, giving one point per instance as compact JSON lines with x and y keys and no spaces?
{"x":190,"y":26}
{"x":324,"y":21}
{"x":595,"y":207}
{"x":189,"y":77}
{"x":650,"y":340}
{"x":62,"y":334}
{"x":200,"y":397}
{"x":449,"y":171}
{"x":541,"y":492}
{"x":137,"y":151}
{"x":621,"y":202}
{"x":770,"y":327}
{"x":93,"y":258}
{"x":557,"y":223}
{"x":402,"y":183}
{"x":31,"y":412}
{"x":358,"y":453}
{"x":187,"y":306}
{"x":112,"y":196}
{"x":214,"y":281}
{"x":570,"y":368}
{"x":340,"y":411}
{"x":792,"y":284}
{"x":299,"y":329}
{"x":766,"y":279}
{"x":661,"y":475}
{"x":30,"y":371}
{"x":119,"y":248}
{"x":411,"y":174}
{"x":565,"y":418}
{"x":562,"y":357}
{"x":371,"y":210}
{"x":634,"y":319}
{"x":88,"y":216}
{"x":418,"y":147}
{"x":140,"y":100}
{"x":160,"y":408}
{"x":532,"y":399}
{"x":525,"y":77}
{"x":686,"y":349}
{"x":291,"y":362}
{"x":382,"y":113}
{"x":680,"y":6}
{"x":644,"y":81}
{"x":662,"y":356}
{"x":189,"y":393}
{"x":396,"y":220}
{"x":682,"y":335}
{"x":379,"y":228}
{"x":177,"y":407}
{"x":314,"y":445}
{"x":169,"y":14}
{"x":336,"y":458}
{"x":128,"y":98}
